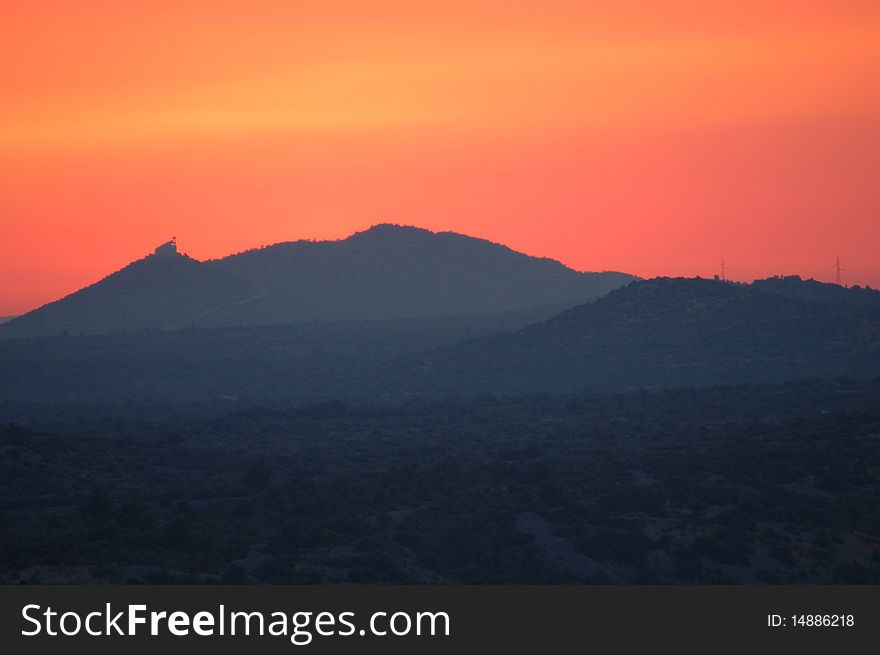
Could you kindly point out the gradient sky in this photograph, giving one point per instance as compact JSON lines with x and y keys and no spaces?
{"x":649,"y":137}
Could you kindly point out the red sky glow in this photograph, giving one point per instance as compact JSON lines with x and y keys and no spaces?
{"x":646,"y":137}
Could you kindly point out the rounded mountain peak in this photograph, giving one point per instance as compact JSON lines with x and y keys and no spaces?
{"x":390,"y":231}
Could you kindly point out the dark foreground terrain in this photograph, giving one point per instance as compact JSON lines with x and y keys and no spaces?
{"x":747,"y":484}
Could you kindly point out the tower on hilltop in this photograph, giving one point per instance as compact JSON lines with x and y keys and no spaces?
{"x":167,"y":249}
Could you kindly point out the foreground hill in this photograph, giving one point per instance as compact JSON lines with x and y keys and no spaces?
{"x":662,"y":332}
{"x":386,"y":272}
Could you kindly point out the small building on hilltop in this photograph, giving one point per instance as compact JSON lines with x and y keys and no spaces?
{"x":168,"y":249}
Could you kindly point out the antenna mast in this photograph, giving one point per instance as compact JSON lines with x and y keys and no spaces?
{"x":723,"y":270}
{"x":838,"y":269}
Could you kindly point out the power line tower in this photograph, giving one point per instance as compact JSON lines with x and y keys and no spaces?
{"x":838,"y":269}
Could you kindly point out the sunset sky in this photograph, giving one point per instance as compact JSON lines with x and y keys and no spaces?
{"x":648,"y":137}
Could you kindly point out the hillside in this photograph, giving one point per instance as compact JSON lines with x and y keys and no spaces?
{"x":386,"y":272}
{"x":300,"y":361}
{"x":153,"y":293}
{"x":661,"y":333}
{"x":656,"y":333}
{"x":794,"y":287}
{"x":393,"y":272}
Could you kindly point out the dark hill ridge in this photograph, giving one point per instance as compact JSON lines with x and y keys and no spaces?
{"x":662,"y":333}
{"x":151,"y":293}
{"x":392,"y":272}
{"x":795,"y":287}
{"x":386,"y":272}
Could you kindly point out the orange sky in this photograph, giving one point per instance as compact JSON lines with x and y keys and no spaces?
{"x":649,"y":137}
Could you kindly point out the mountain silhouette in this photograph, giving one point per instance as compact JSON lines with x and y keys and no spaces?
{"x":151,"y":293}
{"x":795,"y":287}
{"x":386,"y":272}
{"x":662,"y":333}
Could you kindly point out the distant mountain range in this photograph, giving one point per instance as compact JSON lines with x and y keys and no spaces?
{"x":668,"y":333}
{"x":386,"y":272}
